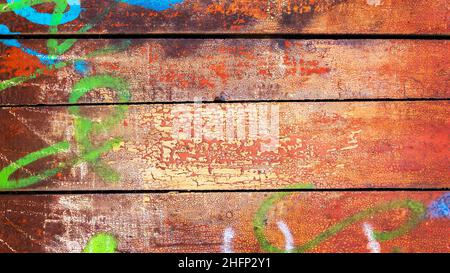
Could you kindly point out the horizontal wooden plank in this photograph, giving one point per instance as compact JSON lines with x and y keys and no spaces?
{"x":226,"y":146}
{"x":190,"y":70}
{"x":227,"y":16}
{"x":228,"y":222}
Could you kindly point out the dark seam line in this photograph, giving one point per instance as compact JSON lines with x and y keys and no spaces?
{"x":100,"y":192}
{"x":287,"y":36}
{"x":223,"y":102}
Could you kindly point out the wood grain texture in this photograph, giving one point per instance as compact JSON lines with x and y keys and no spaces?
{"x":217,"y":222}
{"x":233,"y":146}
{"x":234,"y":16}
{"x":226,"y":70}
{"x":331,"y":126}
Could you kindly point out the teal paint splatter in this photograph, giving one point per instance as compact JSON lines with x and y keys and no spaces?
{"x":45,"y":59}
{"x":8,"y":42}
{"x":440,"y":208}
{"x":157,"y":5}
{"x":58,"y":49}
{"x":48,"y":19}
{"x":82,"y":67}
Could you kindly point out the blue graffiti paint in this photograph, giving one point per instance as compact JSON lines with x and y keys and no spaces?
{"x":157,"y":5}
{"x":40,"y":18}
{"x":45,"y":59}
{"x":8,"y":42}
{"x":440,"y":208}
{"x":82,"y":67}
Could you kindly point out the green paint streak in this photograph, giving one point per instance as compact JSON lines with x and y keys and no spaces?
{"x":101,"y":243}
{"x":85,"y":127}
{"x":19,"y":4}
{"x":52,"y":44}
{"x":5,"y":173}
{"x":417,"y":211}
{"x":68,"y":43}
{"x":396,"y":249}
{"x":110,"y":49}
{"x":21,"y":79}
{"x":16,"y":81}
{"x":259,"y":221}
{"x":60,"y":7}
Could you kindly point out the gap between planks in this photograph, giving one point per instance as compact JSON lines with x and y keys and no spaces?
{"x":100,"y":192}
{"x":222,"y":102}
{"x":287,"y":36}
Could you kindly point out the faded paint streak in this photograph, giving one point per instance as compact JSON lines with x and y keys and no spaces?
{"x":288,"y":238}
{"x":373,"y":245}
{"x":228,"y":235}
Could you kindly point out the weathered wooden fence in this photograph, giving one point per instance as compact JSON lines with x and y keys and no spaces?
{"x":224,"y":126}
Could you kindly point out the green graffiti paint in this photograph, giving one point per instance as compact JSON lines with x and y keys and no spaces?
{"x":259,"y":221}
{"x":17,"y":80}
{"x":416,"y":208}
{"x":55,"y":20}
{"x":102,"y":51}
{"x":5,"y":173}
{"x":109,"y":49}
{"x":85,"y":128}
{"x":396,"y":249}
{"x":20,"y":4}
{"x":417,"y":212}
{"x":101,"y":243}
{"x":55,"y":49}
{"x":59,"y":49}
{"x":64,"y":47}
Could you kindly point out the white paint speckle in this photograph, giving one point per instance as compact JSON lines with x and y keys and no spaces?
{"x":82,"y":168}
{"x":70,"y":246}
{"x":7,"y":245}
{"x":373,"y":245}
{"x":75,"y":203}
{"x":228,"y":236}
{"x":68,"y":133}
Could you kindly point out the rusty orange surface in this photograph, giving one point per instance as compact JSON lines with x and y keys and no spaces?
{"x":235,"y":16}
{"x":234,"y":146}
{"x":229,"y":222}
{"x":257,"y":138}
{"x":227,"y":70}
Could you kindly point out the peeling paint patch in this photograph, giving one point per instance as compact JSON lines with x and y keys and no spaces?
{"x":374,"y":2}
